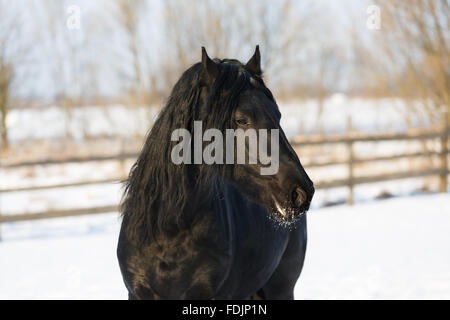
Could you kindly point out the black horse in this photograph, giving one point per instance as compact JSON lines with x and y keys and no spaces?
{"x":221,"y":231}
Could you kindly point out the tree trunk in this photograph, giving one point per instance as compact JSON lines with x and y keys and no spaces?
{"x":4,"y":97}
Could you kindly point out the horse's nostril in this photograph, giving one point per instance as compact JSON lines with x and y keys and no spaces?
{"x":298,"y":197}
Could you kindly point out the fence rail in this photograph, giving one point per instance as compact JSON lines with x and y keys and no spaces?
{"x":350,"y":181}
{"x":414,"y":135}
{"x":57,"y":214}
{"x":50,"y":161}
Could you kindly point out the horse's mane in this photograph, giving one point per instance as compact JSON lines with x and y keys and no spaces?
{"x":160,"y":195}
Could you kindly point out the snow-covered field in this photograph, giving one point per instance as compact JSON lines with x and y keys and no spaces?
{"x":390,"y":249}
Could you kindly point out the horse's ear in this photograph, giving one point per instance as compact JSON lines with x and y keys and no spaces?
{"x":254,"y":64}
{"x":210,"y":70}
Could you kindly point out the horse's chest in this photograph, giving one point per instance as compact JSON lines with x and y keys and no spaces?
{"x":257,"y":250}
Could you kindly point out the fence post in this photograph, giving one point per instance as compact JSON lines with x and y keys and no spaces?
{"x":350,"y":159}
{"x":443,"y":183}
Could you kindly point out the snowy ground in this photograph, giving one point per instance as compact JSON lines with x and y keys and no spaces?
{"x":390,"y":249}
{"x":68,"y":258}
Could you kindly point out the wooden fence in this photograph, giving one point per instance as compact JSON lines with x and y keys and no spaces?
{"x":350,"y":181}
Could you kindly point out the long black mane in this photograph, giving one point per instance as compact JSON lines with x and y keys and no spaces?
{"x":159,"y":194}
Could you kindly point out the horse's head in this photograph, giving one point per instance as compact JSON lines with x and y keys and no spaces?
{"x":285,"y":190}
{"x":164,"y":193}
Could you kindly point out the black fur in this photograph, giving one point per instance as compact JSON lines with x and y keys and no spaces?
{"x":211,"y":231}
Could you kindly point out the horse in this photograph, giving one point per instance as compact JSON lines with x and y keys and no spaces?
{"x":221,"y":230}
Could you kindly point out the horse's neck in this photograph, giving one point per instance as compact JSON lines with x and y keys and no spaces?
{"x":230,"y":201}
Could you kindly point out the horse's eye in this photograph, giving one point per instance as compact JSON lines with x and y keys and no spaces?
{"x":242,"y":122}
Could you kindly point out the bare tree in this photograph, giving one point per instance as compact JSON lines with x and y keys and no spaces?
{"x":129,"y":16}
{"x":416,"y":44}
{"x":63,"y":54}
{"x":12,"y":52}
{"x":68,"y":61}
{"x":232,"y":29}
{"x":6,"y":76}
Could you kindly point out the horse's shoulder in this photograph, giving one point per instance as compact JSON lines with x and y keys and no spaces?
{"x":190,"y":264}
